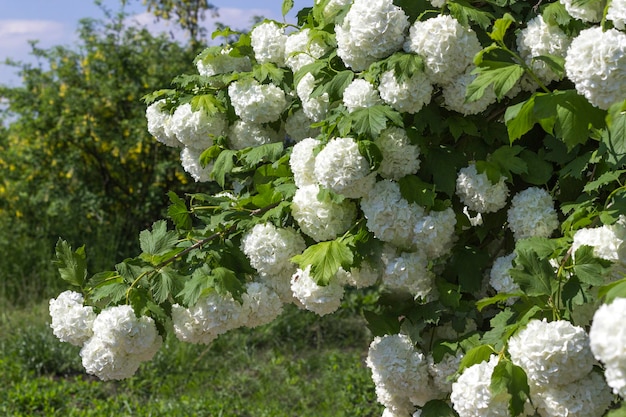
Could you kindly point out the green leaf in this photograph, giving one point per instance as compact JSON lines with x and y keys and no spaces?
{"x":500,"y":26}
{"x":604,"y":179}
{"x":465,"y":13}
{"x":414,"y":190}
{"x":113,"y":291}
{"x":535,"y":276}
{"x":508,"y":378}
{"x":223,"y":165}
{"x":587,"y":267}
{"x":178,"y":212}
{"x":337,"y":84}
{"x":207,"y":102}
{"x":437,"y":408}
{"x":613,"y":137}
{"x":485,"y":302}
{"x":555,"y":63}
{"x":476,"y":355}
{"x":612,"y":291}
{"x":165,"y":283}
{"x":539,"y":171}
{"x":508,"y":161}
{"x":502,"y":75}
{"x":520,"y":118}
{"x":619,"y":412}
{"x":159,"y":240}
{"x":325,"y":259}
{"x":543,"y":247}
{"x":225,"y":282}
{"x":370,"y":151}
{"x":270,"y":71}
{"x":287,"y":6}
{"x":72,"y":266}
{"x":371,"y":121}
{"x":269,"y":152}
{"x":556,"y":14}
{"x":381,"y":324}
{"x":200,"y":282}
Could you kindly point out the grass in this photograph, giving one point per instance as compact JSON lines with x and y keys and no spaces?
{"x":300,"y":365}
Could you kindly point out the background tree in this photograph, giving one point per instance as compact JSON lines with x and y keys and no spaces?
{"x":76,"y":159}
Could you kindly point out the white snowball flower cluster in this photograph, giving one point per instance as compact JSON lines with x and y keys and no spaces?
{"x":222,"y":63}
{"x":389,"y":216}
{"x":409,"y":95}
{"x":190,"y":161}
{"x":196,"y":129}
{"x":211,"y":316}
{"x":499,"y":276}
{"x":408,"y":272}
{"x":268,"y":43}
{"x":532,"y":213}
{"x":478,"y":193}
{"x":243,"y":135}
{"x":617,"y":13}
{"x":587,"y":11}
{"x":341,"y":168}
{"x":302,"y":162}
{"x":319,"y":299}
{"x":400,"y":373}
{"x":120,"y":342}
{"x":270,"y":248}
{"x":298,"y":126}
{"x":371,"y":30}
{"x":455,"y":91}
{"x":539,"y":39}
{"x":400,"y":157}
{"x":261,"y":304}
{"x":587,"y":397}
{"x":554,"y":353}
{"x":608,"y":343}
{"x":447,"y":47}
{"x":321,"y":220}
{"x":364,"y":276}
{"x":281,"y":284}
{"x":471,"y":393}
{"x":302,"y":49}
{"x":257,"y":103}
{"x":434,"y":233}
{"x":159,"y":124}
{"x":360,"y":94}
{"x":315,"y":108}
{"x":72,"y":322}
{"x":437,"y":3}
{"x":443,"y":372}
{"x":608,"y":243}
{"x":596,"y":63}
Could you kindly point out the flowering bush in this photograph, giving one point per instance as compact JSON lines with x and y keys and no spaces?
{"x":461,"y":162}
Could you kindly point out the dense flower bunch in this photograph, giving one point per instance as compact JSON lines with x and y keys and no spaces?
{"x":461,"y":164}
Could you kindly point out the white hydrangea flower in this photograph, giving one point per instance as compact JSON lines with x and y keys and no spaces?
{"x":471,"y":393}
{"x":364,"y":276}
{"x":608,"y":343}
{"x":400,"y":373}
{"x":608,"y":243}
{"x":409,"y":272}
{"x":222,"y":63}
{"x":301,"y":49}
{"x":454,"y":94}
{"x":212,"y":315}
{"x":478,"y":193}
{"x":532,"y":213}
{"x":596,"y":63}
{"x":261,"y":304}
{"x":500,"y":278}
{"x":190,"y":161}
{"x":434,"y":234}
{"x":298,"y":126}
{"x":72,"y":322}
{"x":341,"y":168}
{"x":120,"y":342}
{"x":389,"y":216}
{"x":586,"y":397}
{"x":400,"y":157}
{"x":589,"y":11}
{"x":315,"y":108}
{"x":552,"y":353}
{"x":360,"y":94}
{"x":243,"y":135}
{"x":371,"y":30}
{"x":437,"y":3}
{"x":257,"y":103}
{"x":196,"y":129}
{"x":268,"y":43}
{"x":270,"y":248}
{"x":302,"y":162}
{"x":159,"y":124}
{"x":447,"y":47}
{"x":539,"y":38}
{"x":617,"y":13}
{"x":407,"y":96}
{"x":280,"y":283}
{"x":443,"y":372}
{"x":319,"y":299}
{"x":321,"y":220}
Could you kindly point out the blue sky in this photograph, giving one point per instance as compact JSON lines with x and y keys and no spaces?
{"x":54,"y":22}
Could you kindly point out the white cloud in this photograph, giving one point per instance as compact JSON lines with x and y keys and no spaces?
{"x":15,"y":34}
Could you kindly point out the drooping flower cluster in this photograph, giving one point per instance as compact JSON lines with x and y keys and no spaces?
{"x":587,"y":11}
{"x":320,"y":299}
{"x":409,"y":95}
{"x":478,"y":193}
{"x":270,"y":248}
{"x":268,"y":42}
{"x":499,"y":276}
{"x":72,"y":322}
{"x":302,"y":49}
{"x":256,"y":103}
{"x":400,"y":157}
{"x":617,"y":13}
{"x":360,"y":94}
{"x":532,"y":213}
{"x":222,"y":63}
